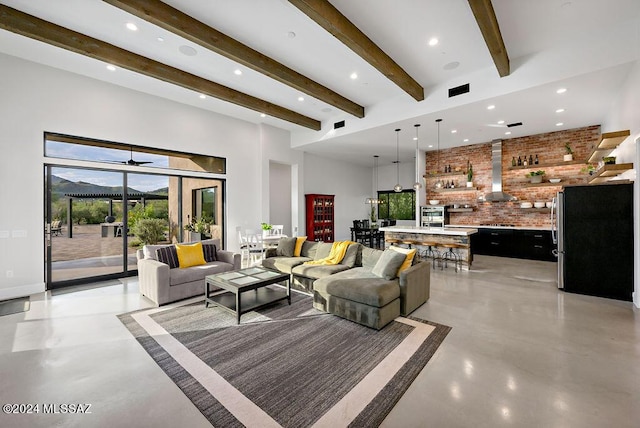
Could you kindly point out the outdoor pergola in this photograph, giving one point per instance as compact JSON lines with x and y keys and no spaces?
{"x":111,"y":197}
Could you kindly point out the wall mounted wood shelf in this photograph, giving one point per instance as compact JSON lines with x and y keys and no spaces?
{"x":456,"y":189}
{"x":608,"y":171}
{"x":460,"y":210}
{"x":608,"y":143}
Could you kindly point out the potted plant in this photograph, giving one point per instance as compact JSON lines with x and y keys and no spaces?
{"x":266,"y":227}
{"x":590,"y":169}
{"x":197,"y":228}
{"x":569,"y":155}
{"x":609,"y":160}
{"x":535,"y":176}
{"x":470,"y":176}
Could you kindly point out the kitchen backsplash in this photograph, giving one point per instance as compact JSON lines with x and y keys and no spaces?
{"x":550,"y":148}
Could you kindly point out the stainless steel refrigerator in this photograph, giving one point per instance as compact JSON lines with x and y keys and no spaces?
{"x":593,"y":229}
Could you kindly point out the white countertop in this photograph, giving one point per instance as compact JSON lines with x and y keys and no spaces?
{"x":457,"y":231}
{"x":477,"y":226}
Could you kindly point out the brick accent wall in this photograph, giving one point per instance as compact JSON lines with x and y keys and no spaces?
{"x":550,"y":148}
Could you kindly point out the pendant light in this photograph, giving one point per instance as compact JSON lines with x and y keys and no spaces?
{"x":374,"y":200}
{"x":417,"y":185}
{"x":397,"y":188}
{"x":439,"y":183}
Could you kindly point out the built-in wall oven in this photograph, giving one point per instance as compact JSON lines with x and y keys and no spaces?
{"x":434,"y":216}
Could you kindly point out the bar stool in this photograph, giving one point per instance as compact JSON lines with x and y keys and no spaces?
{"x":409,"y":242}
{"x":431,"y":252}
{"x":392,"y":241}
{"x":452,"y":255}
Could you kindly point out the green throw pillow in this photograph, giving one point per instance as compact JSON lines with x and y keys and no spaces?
{"x":388,"y":264}
{"x":286,"y":246}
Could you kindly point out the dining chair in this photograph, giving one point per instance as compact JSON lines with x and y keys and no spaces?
{"x":254,"y":245}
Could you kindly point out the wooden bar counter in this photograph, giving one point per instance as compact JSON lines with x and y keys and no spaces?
{"x":439,"y":235}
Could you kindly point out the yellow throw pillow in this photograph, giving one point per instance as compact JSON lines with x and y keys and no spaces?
{"x":190,"y":255}
{"x":298,"y":249}
{"x":410,"y":254}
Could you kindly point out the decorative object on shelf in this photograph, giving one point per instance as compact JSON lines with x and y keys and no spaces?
{"x":519,"y":161}
{"x":265,"y":226}
{"x":539,"y":204}
{"x":548,"y":204}
{"x":535,"y":161}
{"x":609,"y":160}
{"x":589,"y":169}
{"x":417,"y":185}
{"x":398,"y":187}
{"x":526,"y":205}
{"x":525,"y":162}
{"x":439,"y":184}
{"x":535,"y":176}
{"x":469,"y":174}
{"x":514,"y":162}
{"x":434,"y":201}
{"x":569,"y":155}
{"x":554,"y":180}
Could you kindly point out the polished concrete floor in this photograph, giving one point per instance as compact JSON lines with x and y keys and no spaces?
{"x":521,"y":353}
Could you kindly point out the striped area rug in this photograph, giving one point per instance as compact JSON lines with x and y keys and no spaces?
{"x":285,"y":366}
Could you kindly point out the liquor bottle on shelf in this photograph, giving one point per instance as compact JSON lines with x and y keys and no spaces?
{"x":519,"y":161}
{"x":513,"y":162}
{"x":530,"y":160}
{"x":536,"y":160}
{"x":524,"y":161}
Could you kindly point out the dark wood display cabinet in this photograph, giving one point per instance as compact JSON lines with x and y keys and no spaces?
{"x":320,"y":217}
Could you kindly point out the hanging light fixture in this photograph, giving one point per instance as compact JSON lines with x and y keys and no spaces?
{"x":417,"y":185}
{"x":439,"y":183}
{"x":374,"y":200}
{"x":397,"y":187}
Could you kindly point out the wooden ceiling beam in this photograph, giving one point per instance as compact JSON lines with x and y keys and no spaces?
{"x":179,"y":23}
{"x":29,"y":26}
{"x":330,"y":18}
{"x":488,"y":23}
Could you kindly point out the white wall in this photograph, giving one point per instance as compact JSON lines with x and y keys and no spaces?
{"x":280,"y":196}
{"x":37,"y":98}
{"x":625,"y":114}
{"x":350,"y":184}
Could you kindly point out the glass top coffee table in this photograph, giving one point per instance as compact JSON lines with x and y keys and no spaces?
{"x":246,"y":289}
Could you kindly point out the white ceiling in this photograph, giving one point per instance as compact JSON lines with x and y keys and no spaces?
{"x":587,"y":46}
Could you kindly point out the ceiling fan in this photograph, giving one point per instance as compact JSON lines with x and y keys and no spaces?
{"x":133,"y":162}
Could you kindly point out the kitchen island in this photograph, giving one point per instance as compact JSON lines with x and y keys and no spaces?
{"x":437,"y":235}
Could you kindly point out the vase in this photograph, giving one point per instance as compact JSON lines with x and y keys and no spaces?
{"x":536,"y":179}
{"x":469,"y":183}
{"x":568,"y":158}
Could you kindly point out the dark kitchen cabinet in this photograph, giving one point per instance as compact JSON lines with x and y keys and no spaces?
{"x":522,"y":244}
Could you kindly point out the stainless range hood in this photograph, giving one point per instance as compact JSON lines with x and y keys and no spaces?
{"x":496,"y":194}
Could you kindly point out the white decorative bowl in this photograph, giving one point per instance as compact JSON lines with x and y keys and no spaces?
{"x":549,"y":204}
{"x":434,"y":201}
{"x":555,"y":180}
{"x":539,"y":204}
{"x":526,"y":205}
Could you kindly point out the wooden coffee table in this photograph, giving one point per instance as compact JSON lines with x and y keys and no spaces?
{"x":246,"y":289}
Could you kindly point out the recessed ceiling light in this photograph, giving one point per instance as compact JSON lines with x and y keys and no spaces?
{"x":560,"y":110}
{"x":466,"y":140}
{"x":507,"y":133}
{"x":291,"y":35}
{"x":263,"y":115}
{"x":415,"y":138}
{"x":354,"y":76}
{"x":300,"y":98}
{"x":561,"y":91}
{"x":433,"y":41}
{"x":430,"y":146}
{"x":111,"y":67}
{"x":491,"y":107}
{"x":187,"y":50}
{"x":451,"y":65}
{"x":131,"y":26}
{"x":559,"y":124}
{"x":203,"y":96}
{"x":237,"y":72}
{"x":500,"y":122}
{"x":453,"y":131}
{"x":160,"y":39}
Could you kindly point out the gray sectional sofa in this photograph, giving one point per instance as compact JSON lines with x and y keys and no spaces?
{"x":163,"y":284}
{"x":356,"y":288}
